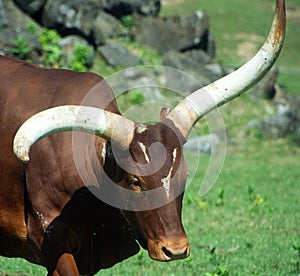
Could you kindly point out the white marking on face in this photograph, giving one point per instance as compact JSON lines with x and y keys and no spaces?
{"x":174,"y":155}
{"x":167,"y":180}
{"x":143,"y":148}
{"x":141,"y":128}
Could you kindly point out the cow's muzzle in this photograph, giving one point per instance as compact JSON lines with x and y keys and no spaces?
{"x":169,"y":250}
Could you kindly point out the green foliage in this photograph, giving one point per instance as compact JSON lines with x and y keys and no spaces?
{"x":80,"y":59}
{"x":21,"y":47}
{"x":197,"y":202}
{"x":32,"y":28}
{"x":255,"y":199}
{"x":52,"y":54}
{"x":257,"y":202}
{"x":136,"y":97}
{"x":50,"y":37}
{"x":130,"y":99}
{"x":221,"y":271}
{"x":127,"y":21}
{"x":254,"y":133}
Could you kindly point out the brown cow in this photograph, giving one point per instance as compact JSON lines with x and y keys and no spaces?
{"x":50,"y":209}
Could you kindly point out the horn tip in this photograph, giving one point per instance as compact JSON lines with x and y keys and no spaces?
{"x":21,"y":152}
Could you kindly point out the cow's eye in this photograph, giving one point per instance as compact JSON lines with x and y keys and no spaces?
{"x":135,"y":184}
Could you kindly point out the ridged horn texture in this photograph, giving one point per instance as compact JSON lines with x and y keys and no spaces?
{"x":68,"y":118}
{"x":206,"y":99}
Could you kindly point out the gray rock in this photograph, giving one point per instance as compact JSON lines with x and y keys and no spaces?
{"x":72,"y":16}
{"x":88,"y":19}
{"x":138,"y":78}
{"x":107,"y":27}
{"x":284,"y":122}
{"x":117,"y":55}
{"x":178,"y":33}
{"x":190,"y":60}
{"x":196,"y":63}
{"x":121,"y":8}
{"x":210,"y":45}
{"x":286,"y":103}
{"x":15,"y":24}
{"x":31,"y":7}
{"x":206,"y":143}
{"x":3,"y":19}
{"x":151,"y":7}
{"x":265,"y":89}
{"x":277,"y":126}
{"x":296,"y":135}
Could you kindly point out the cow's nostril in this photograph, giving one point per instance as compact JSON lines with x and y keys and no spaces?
{"x":174,"y":254}
{"x":167,"y":252}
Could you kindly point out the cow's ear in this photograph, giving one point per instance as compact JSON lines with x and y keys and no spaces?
{"x":164,"y":112}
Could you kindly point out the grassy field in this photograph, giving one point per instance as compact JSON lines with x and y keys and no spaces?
{"x":249,"y":223}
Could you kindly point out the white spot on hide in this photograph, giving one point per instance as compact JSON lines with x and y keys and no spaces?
{"x":174,"y":155}
{"x":141,"y":128}
{"x":143,"y":148}
{"x":167,"y":180}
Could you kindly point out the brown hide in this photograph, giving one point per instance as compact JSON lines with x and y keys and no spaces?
{"x":31,"y":197}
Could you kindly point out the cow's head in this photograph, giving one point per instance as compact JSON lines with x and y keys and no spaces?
{"x":156,"y":159}
{"x":157,"y":173}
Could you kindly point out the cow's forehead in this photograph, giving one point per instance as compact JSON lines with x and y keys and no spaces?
{"x":157,"y":144}
{"x":163,"y":132}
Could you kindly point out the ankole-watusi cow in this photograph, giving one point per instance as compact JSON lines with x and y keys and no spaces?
{"x":49,"y":215}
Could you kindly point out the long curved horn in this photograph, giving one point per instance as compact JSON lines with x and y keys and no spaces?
{"x":67,"y":118}
{"x":206,"y":99}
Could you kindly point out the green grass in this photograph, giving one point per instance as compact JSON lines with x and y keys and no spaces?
{"x":249,"y":223}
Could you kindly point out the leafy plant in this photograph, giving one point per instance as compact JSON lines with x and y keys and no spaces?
{"x":128,"y":22}
{"x":32,"y":27}
{"x":21,"y":47}
{"x":197,"y":202}
{"x":80,"y":58}
{"x":49,"y":40}
{"x":255,"y":199}
{"x":136,"y":97}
